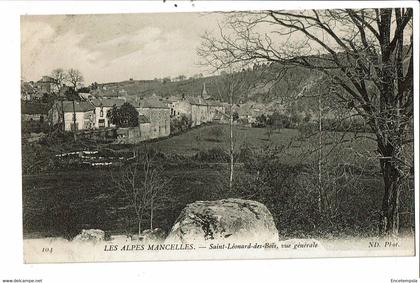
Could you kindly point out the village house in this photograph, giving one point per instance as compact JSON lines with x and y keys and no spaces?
{"x":181,"y":108}
{"x":159,"y":115}
{"x":46,"y":85}
{"x":31,"y":91}
{"x":170,"y":102}
{"x":31,"y":111}
{"x":86,"y":96}
{"x":136,"y":134}
{"x":199,"y":111}
{"x":82,"y":112}
{"x":109,"y":93}
{"x":28,"y":91}
{"x":144,"y":126}
{"x":102,"y":106}
{"x":216,"y":109}
{"x":201,"y":108}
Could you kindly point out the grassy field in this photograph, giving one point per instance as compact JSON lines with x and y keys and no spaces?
{"x":292,"y":147}
{"x":64,"y":202}
{"x":201,"y":138}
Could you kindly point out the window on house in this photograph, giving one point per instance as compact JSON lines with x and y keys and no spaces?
{"x":101,"y":123}
{"x":101,"y":113}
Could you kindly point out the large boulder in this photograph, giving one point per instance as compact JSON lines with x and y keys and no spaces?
{"x":92,"y":235}
{"x":224,"y":220}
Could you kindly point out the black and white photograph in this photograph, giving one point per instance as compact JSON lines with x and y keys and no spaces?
{"x":242,"y":134}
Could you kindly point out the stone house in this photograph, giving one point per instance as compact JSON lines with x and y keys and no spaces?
{"x":159,"y":115}
{"x":215,"y":107}
{"x":136,"y":134}
{"x":102,"y":106}
{"x":46,"y":85}
{"x":181,"y":108}
{"x":144,"y":127}
{"x":171,"y":102}
{"x":199,"y":111}
{"x":83,"y":112}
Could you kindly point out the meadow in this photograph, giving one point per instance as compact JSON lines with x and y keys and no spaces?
{"x":292,"y":145}
{"x":62,"y":202}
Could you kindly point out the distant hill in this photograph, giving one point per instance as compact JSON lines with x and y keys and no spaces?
{"x":272,"y":85}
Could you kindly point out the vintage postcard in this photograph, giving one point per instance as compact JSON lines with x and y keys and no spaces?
{"x":250,"y":134}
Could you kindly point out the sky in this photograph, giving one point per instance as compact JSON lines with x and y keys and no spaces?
{"x":107,"y":48}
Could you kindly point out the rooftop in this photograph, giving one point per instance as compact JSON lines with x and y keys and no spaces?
{"x":46,"y":79}
{"x":152,"y":102}
{"x":196,"y":101}
{"x":79,"y":106}
{"x":34,"y":108}
{"x":109,"y":102}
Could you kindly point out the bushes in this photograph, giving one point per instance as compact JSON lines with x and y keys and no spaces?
{"x":216,"y":134}
{"x":180,"y":124}
{"x":36,"y":159}
{"x":291,"y":193}
{"x":307,"y":126}
{"x":215,"y":154}
{"x":35,"y":127}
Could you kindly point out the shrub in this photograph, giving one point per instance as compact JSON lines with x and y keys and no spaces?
{"x":125,"y":116}
{"x":291,"y":194}
{"x":215,"y":154}
{"x":180,"y":124}
{"x":215,"y":134}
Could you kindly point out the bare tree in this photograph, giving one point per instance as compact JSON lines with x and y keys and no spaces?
{"x":229,"y":89}
{"x":144,"y":186}
{"x":155,"y":184}
{"x":366,"y":53}
{"x":74,"y":78}
{"x":59,"y":76}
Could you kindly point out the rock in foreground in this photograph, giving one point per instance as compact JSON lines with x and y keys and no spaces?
{"x":224,"y":220}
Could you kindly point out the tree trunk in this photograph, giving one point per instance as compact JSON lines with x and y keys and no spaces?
{"x":151,"y":214}
{"x":74,"y":123}
{"x":391,"y":199}
{"x":320,"y":187}
{"x":140,"y":219}
{"x":231,"y":151}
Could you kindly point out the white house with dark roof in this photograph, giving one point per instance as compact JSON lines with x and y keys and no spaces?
{"x":102,"y":106}
{"x":81,"y":111}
